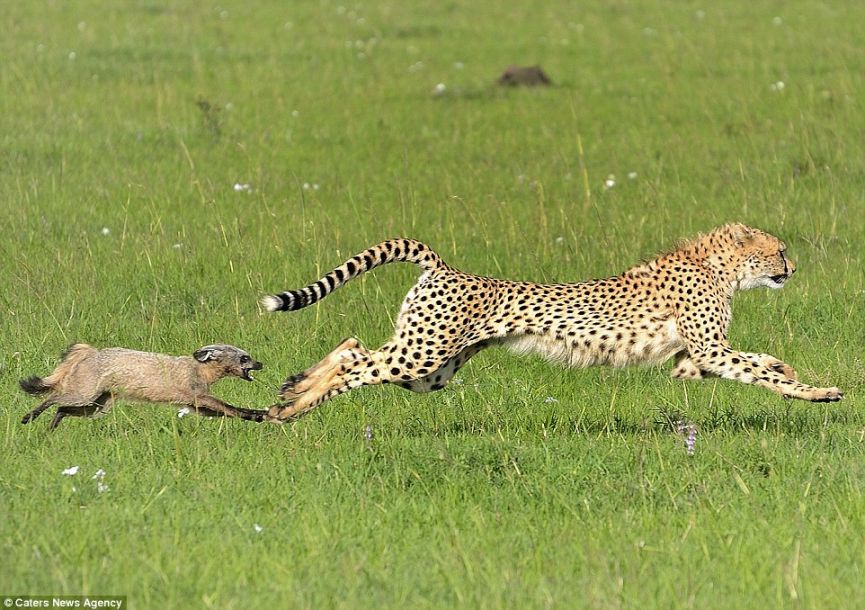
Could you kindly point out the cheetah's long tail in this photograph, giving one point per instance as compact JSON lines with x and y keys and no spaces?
{"x":391,"y":251}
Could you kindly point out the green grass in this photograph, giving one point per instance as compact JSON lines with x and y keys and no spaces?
{"x":486,"y":494}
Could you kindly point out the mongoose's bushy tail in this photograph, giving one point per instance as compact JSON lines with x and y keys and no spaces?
{"x":391,"y":251}
{"x":34,"y":385}
{"x":69,"y":358}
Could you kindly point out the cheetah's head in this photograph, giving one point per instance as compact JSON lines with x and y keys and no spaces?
{"x":762,"y":258}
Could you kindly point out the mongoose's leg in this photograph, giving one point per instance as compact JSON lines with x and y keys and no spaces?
{"x":205,"y":405}
{"x":97,"y":408}
{"x":88,"y":411}
{"x":66,"y":400}
{"x":37,"y":411}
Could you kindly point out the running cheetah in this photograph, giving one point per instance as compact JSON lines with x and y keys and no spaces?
{"x":677,"y":305}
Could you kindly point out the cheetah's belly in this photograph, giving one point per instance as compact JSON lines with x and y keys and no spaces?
{"x":658,"y":346}
{"x":651,"y":346}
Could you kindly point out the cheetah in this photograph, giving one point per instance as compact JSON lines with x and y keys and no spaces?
{"x":675,"y":306}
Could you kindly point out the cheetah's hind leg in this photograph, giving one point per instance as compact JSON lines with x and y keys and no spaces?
{"x":438,"y":379}
{"x":298,"y":385}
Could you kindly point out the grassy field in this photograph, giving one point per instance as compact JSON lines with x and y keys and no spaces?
{"x":125,"y":128}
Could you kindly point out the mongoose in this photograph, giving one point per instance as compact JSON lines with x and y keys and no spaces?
{"x":87,"y":381}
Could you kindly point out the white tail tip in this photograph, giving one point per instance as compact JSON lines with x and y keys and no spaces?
{"x":271,"y":302}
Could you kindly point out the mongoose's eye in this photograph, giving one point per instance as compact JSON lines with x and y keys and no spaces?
{"x":244,"y":359}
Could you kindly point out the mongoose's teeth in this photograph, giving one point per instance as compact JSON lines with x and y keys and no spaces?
{"x":271,"y":302}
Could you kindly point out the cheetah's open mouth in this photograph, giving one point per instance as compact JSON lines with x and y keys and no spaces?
{"x":779,"y":279}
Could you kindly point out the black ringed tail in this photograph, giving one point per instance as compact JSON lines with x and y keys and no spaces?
{"x":391,"y":251}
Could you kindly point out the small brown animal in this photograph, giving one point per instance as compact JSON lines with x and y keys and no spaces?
{"x":526,"y":76}
{"x":87,"y":381}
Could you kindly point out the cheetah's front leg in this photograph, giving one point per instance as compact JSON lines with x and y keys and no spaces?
{"x":710,"y":353}
{"x":725,"y":362}
{"x":684,"y":367}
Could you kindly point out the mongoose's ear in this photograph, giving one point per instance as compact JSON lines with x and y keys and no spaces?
{"x":207,"y":353}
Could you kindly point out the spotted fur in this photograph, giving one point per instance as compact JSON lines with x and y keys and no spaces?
{"x":675,"y":306}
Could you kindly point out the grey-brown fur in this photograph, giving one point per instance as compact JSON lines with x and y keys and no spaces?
{"x":526,"y":76}
{"x":87,"y":381}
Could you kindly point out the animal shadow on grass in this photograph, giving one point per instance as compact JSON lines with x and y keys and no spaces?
{"x":791,"y":421}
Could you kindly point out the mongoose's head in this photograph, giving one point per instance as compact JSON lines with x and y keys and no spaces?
{"x":226,"y":361}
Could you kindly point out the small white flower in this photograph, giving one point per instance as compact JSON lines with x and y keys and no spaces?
{"x":71,"y":471}
{"x":177,"y":246}
{"x":99,"y":475}
{"x":610,"y":182}
{"x":72,"y":55}
{"x":560,"y":240}
{"x":632,"y":175}
{"x":315,"y":187}
{"x":101,"y":487}
{"x":257,"y":528}
{"x":701,"y":14}
{"x":306,"y":186}
{"x":439,"y":89}
{"x":459,"y":65}
{"x":82,"y":25}
{"x":550,"y":400}
{"x":229,"y":106}
{"x":288,"y":25}
{"x":779,"y":86}
{"x":223,"y":15}
{"x":16,"y":354}
{"x":105,"y":231}
{"x":183,"y":412}
{"x":777,"y":21}
{"x":295,"y":113}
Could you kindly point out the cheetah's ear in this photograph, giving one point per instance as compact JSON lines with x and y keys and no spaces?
{"x":740,"y":233}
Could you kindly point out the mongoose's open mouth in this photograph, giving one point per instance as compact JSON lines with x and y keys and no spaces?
{"x":247,"y":373}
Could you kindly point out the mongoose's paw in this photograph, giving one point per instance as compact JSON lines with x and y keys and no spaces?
{"x":256,"y":415}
